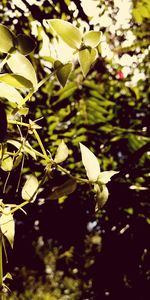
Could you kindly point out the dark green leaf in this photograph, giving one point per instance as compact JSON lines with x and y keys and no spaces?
{"x":65,"y":189}
{"x":6,"y":39}
{"x":63,"y":71}
{"x":25,"y":44}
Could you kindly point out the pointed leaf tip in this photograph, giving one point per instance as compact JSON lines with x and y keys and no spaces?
{"x":62,"y":71}
{"x":90,"y":163}
{"x":92,"y":38}
{"x":62,"y":152}
{"x":29,"y":190}
{"x":8,"y":226}
{"x":7,"y":39}
{"x":105,"y":177}
{"x":67,"y":32}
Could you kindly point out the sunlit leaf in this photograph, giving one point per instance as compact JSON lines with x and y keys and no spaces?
{"x":20,"y":65}
{"x":92,"y":38}
{"x":93,"y":55}
{"x":90,"y":163}
{"x":63,"y":71}
{"x":65,"y":189}
{"x":6,"y":39}
{"x":10,"y":93}
{"x":68,"y":32}
{"x":86,"y":59}
{"x":7,"y":276}
{"x":8,"y":226}
{"x":25,"y":44}
{"x":29,"y":190}
{"x":16,"y":81}
{"x":62,"y":152}
{"x":7,"y":163}
{"x":24,"y":147}
{"x":105,"y":177}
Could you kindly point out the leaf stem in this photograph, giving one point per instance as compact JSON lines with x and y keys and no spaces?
{"x":41,"y":145}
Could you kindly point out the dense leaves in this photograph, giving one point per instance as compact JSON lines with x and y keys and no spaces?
{"x":76,"y":252}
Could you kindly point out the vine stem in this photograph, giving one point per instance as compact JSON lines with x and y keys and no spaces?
{"x":47,"y":159}
{"x":29,"y":95}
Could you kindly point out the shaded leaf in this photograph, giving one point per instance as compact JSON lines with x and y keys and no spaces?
{"x":90,"y":163}
{"x":68,"y":33}
{"x":20,"y":65}
{"x":63,"y":72}
{"x":101,"y":195}
{"x":29,"y":190}
{"x":16,"y":81}
{"x":62,"y":152}
{"x":92,"y":38}
{"x":3,"y":123}
{"x":25,"y":44}
{"x":7,"y":39}
{"x":8,"y":226}
{"x":10,"y":93}
{"x":65,"y":189}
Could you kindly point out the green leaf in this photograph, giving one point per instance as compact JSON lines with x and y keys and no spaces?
{"x":101,"y":195}
{"x":7,"y":39}
{"x":105,"y":177}
{"x":86,"y":58}
{"x":25,"y":44}
{"x":7,"y":163}
{"x":65,"y":189}
{"x":94,"y":54}
{"x":92,"y":38}
{"x":67,"y":32}
{"x":8,"y":226}
{"x":10,"y":93}
{"x":90,"y":163}
{"x":62,"y":152}
{"x":62,"y":71}
{"x":16,"y":81}
{"x":20,"y":65}
{"x":29,"y":190}
{"x":24,"y":147}
{"x":85,"y":61}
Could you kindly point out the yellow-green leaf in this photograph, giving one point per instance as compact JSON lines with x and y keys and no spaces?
{"x":85,"y":61}
{"x":62,"y":152}
{"x":92,"y":38}
{"x":7,"y":163}
{"x":8,"y":226}
{"x":6,"y":39}
{"x":16,"y":81}
{"x":90,"y":163}
{"x":20,"y":65}
{"x":10,"y":93}
{"x":29,"y":190}
{"x":67,"y":32}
